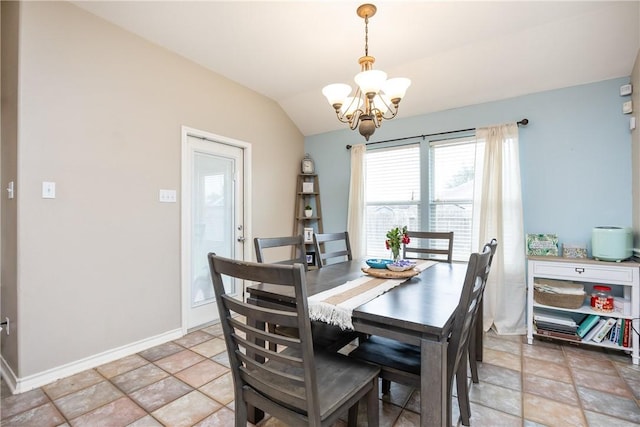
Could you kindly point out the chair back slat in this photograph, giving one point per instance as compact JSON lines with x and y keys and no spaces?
{"x":263,"y":335}
{"x":287,"y":318}
{"x":266,"y":353}
{"x":329,"y":246}
{"x":437,"y":246}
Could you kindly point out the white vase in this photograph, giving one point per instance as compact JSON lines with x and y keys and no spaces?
{"x":308,"y":213}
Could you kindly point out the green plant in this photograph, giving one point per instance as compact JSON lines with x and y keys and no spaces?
{"x":307,"y":208}
{"x":395,"y":237}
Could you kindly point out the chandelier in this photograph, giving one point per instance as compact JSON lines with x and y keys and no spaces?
{"x":376,"y":98}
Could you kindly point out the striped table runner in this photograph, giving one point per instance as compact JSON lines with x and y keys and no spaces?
{"x":336,"y":305}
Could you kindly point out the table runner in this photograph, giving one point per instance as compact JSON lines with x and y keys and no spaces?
{"x":336,"y":305}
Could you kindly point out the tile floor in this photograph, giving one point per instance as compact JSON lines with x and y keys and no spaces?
{"x":187,"y":383}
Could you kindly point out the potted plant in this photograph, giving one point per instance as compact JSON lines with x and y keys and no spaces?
{"x":308,"y":211}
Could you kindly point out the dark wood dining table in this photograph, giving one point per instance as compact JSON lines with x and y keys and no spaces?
{"x":420,"y":311}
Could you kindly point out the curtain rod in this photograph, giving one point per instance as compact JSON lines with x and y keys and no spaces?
{"x":522,"y":122}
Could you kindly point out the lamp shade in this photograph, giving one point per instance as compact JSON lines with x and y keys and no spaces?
{"x":370,"y":81}
{"x":396,"y":88}
{"x":336,"y":93}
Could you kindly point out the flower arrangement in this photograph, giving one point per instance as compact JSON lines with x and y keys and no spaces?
{"x":395,"y":237}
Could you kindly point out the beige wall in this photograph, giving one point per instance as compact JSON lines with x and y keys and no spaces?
{"x":635,"y":149}
{"x":8,"y":168}
{"x":100,"y":112}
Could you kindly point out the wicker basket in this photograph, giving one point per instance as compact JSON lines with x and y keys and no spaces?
{"x":557,"y":299}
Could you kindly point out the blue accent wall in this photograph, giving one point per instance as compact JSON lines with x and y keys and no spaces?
{"x":575,"y":157}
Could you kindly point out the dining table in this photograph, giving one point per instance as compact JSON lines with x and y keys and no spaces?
{"x":419,"y":311}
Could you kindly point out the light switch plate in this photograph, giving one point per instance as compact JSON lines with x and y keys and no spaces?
{"x":168,"y":196}
{"x":48,"y":190}
{"x":627,"y":107}
{"x":626,"y":90}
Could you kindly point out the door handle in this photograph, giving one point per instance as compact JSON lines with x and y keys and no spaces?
{"x":241,"y":239}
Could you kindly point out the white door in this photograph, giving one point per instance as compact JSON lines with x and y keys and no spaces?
{"x":212,"y":219}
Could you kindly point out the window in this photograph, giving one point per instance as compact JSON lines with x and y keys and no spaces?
{"x":393,"y":187}
{"x":393,"y":194}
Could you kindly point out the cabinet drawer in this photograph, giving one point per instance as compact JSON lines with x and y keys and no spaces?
{"x":584,"y":272}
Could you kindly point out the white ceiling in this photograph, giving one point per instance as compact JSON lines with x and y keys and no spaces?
{"x":455,"y":53}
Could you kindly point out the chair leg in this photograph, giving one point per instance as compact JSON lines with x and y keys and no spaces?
{"x":372,"y":405}
{"x":352,"y":419}
{"x":386,"y":386}
{"x":473,"y":363}
{"x":241,"y":414}
{"x":462,"y":385}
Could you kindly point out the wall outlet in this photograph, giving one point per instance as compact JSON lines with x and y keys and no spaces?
{"x":627,"y":107}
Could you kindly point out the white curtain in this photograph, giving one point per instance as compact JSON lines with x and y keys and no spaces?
{"x":357,"y":203}
{"x":497,"y":212}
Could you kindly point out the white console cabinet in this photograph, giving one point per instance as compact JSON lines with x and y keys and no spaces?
{"x":623,"y":277}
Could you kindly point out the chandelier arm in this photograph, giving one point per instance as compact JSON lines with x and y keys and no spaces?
{"x":377,"y":116}
{"x":390,"y":113}
{"x":353,"y":120}
{"x":343,"y":119}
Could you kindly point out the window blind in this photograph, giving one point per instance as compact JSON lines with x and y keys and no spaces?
{"x":392,"y":193}
{"x":451,"y":184}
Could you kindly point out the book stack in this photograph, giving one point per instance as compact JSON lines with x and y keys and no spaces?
{"x":610,"y":330}
{"x":592,"y":328}
{"x":556,"y":325}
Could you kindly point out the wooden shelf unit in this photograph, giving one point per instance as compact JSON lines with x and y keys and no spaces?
{"x":304,"y":198}
{"x":625,"y":276}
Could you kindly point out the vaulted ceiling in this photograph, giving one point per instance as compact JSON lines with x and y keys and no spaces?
{"x":456,"y":53}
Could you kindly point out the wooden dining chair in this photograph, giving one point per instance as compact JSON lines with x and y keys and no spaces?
{"x":433,"y":245}
{"x":332,"y":245}
{"x":326,"y":337}
{"x":296,"y":385}
{"x":475,"y":342}
{"x":400,"y":362}
{"x":295,"y":245}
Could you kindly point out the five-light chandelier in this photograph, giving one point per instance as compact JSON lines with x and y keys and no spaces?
{"x":376,"y":98}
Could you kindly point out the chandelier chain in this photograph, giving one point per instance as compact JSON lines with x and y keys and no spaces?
{"x":366,"y":36}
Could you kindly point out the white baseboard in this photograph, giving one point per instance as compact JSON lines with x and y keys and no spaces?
{"x":20,"y":385}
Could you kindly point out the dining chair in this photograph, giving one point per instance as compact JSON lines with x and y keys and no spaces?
{"x":296,"y":384}
{"x":294,"y":243}
{"x":400,"y":362}
{"x":332,"y":245}
{"x":325,"y":336}
{"x":475,"y":342}
{"x":434,"y":245}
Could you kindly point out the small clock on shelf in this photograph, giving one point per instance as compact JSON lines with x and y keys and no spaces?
{"x":308,"y":166}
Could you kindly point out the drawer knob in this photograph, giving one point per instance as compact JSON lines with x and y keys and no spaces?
{"x":579,"y":270}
